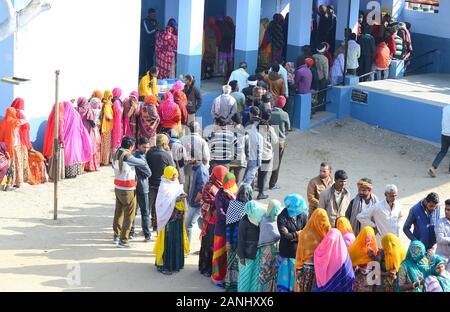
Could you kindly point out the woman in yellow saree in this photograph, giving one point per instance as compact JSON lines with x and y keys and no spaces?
{"x":172,"y":243}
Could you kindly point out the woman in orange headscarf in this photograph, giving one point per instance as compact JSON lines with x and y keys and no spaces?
{"x":363,"y":251}
{"x":9,"y":134}
{"x":106,"y":128}
{"x":308,"y":240}
{"x":344,"y":226}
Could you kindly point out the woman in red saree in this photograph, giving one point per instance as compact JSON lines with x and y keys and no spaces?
{"x":149,"y":119}
{"x":166,"y":51}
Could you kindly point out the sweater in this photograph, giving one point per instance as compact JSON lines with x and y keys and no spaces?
{"x":158,"y":159}
{"x":289,"y":241}
{"x":194,"y":98}
{"x":247,"y":239}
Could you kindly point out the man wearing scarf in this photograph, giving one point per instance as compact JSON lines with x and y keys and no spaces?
{"x":363,"y":201}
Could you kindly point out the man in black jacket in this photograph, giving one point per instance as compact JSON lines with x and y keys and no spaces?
{"x":194,"y":97}
{"x":158,"y":158}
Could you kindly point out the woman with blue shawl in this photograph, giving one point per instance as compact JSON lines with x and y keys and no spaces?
{"x":290,"y":222}
{"x":439,"y":279}
{"x":248,"y":247}
{"x":413,"y":270}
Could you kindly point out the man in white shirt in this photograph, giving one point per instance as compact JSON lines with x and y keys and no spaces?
{"x":445,"y":141}
{"x":443,"y":235}
{"x":224,"y":105}
{"x":384,"y":216}
{"x":241,"y":76}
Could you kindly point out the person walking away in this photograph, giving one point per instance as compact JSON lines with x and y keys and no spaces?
{"x":321,"y":63}
{"x":237,"y":95}
{"x":338,"y":68}
{"x":363,"y":201}
{"x":290,"y":222}
{"x":249,"y":231}
{"x":354,"y":53}
{"x":149,"y":28}
{"x":280,"y":122}
{"x":239,"y":165}
{"x":224,"y":105}
{"x":124,"y":166}
{"x":235,"y":212}
{"x":223,"y":145}
{"x":445,"y":142}
{"x":308,"y":240}
{"x":271,"y":140}
{"x":267,"y":256}
{"x":172,"y":242}
{"x":382,"y":61}
{"x":332,"y":265}
{"x":336,"y":198}
{"x":158,"y":158}
{"x":255,"y":146}
{"x":424,"y":216}
{"x":194,"y":97}
{"x":277,"y":85}
{"x":443,"y":235}
{"x":142,"y":190}
{"x":303,"y":77}
{"x":384,"y":216}
{"x":368,"y":47}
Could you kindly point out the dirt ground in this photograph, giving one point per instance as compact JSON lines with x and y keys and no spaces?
{"x":38,"y":254}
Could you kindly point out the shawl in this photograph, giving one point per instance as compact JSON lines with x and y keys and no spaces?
{"x":230,"y":186}
{"x":356,"y":210}
{"x":255,"y":212}
{"x":443,"y":280}
{"x":168,"y":193}
{"x":394,"y":252}
{"x":332,"y":264}
{"x":49,"y":131}
{"x":295,"y":205}
{"x":98,"y":94}
{"x":416,"y":268}
{"x":148,"y":119}
{"x":169,"y":112}
{"x":8,"y":127}
{"x":24,"y":130}
{"x":235,"y":210}
{"x":86,"y":113}
{"x":182,"y":102}
{"x":77,"y":142}
{"x":269,"y":232}
{"x":364,"y":242}
{"x":311,"y":236}
{"x":344,"y":226}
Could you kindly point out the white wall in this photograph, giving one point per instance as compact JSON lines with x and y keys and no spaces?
{"x":95,"y":44}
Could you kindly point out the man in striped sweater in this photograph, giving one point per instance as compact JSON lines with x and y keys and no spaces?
{"x":223,"y":144}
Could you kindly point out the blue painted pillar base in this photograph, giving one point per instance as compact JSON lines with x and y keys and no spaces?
{"x":339,"y":101}
{"x":250,"y":57}
{"x":293,"y":52}
{"x":397,"y":69}
{"x":302,"y":111}
{"x":351,"y":80}
{"x":190,"y":64}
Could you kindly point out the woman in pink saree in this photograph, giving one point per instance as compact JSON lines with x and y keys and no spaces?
{"x":166,"y":51}
{"x":87,"y":116}
{"x":117,"y":128}
{"x":129,"y":119}
{"x":77,"y":142}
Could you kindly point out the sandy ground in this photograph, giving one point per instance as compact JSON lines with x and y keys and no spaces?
{"x":38,"y":254}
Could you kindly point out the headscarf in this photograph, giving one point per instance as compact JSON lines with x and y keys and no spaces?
{"x":178,"y":86}
{"x":135,"y":95}
{"x":415,"y":263}
{"x":364,"y":184}
{"x":236,"y":210}
{"x":49,"y":131}
{"x":168,"y":193}
{"x":364,"y":242}
{"x":444,"y":281}
{"x":98,"y":94}
{"x":332,"y":265}
{"x":151,"y":99}
{"x":24,"y":130}
{"x":168,"y":109}
{"x":344,"y":226}
{"x":311,"y":236}
{"x":230,"y":186}
{"x":280,"y":102}
{"x":394,"y":252}
{"x":309,"y":62}
{"x":7,"y":129}
{"x":77,"y":142}
{"x":254,"y":212}
{"x":218,"y":175}
{"x":295,"y":205}
{"x":86,"y":113}
{"x":107,"y":95}
{"x":273,"y":209}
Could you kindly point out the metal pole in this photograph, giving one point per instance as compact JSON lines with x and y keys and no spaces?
{"x":56,"y":148}
{"x":346,"y":40}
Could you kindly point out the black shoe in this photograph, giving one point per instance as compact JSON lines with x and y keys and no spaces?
{"x":262,"y":196}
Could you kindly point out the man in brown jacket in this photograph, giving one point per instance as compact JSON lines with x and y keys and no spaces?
{"x":277,"y":85}
{"x":319,"y":184}
{"x":335,"y":199}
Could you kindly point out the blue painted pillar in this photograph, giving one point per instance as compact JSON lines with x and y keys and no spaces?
{"x":190,"y":37}
{"x":299,"y":27}
{"x":302,"y":112}
{"x":247,"y":33}
{"x":342,"y":14}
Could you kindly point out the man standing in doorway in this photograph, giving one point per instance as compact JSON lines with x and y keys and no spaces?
{"x":149,"y":28}
{"x":445,"y":139}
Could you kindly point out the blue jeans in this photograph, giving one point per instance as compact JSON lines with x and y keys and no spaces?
{"x":250,"y":174}
{"x":192,"y":217}
{"x":144,"y":205}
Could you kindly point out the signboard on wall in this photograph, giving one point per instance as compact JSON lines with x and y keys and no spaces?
{"x":360,"y":96}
